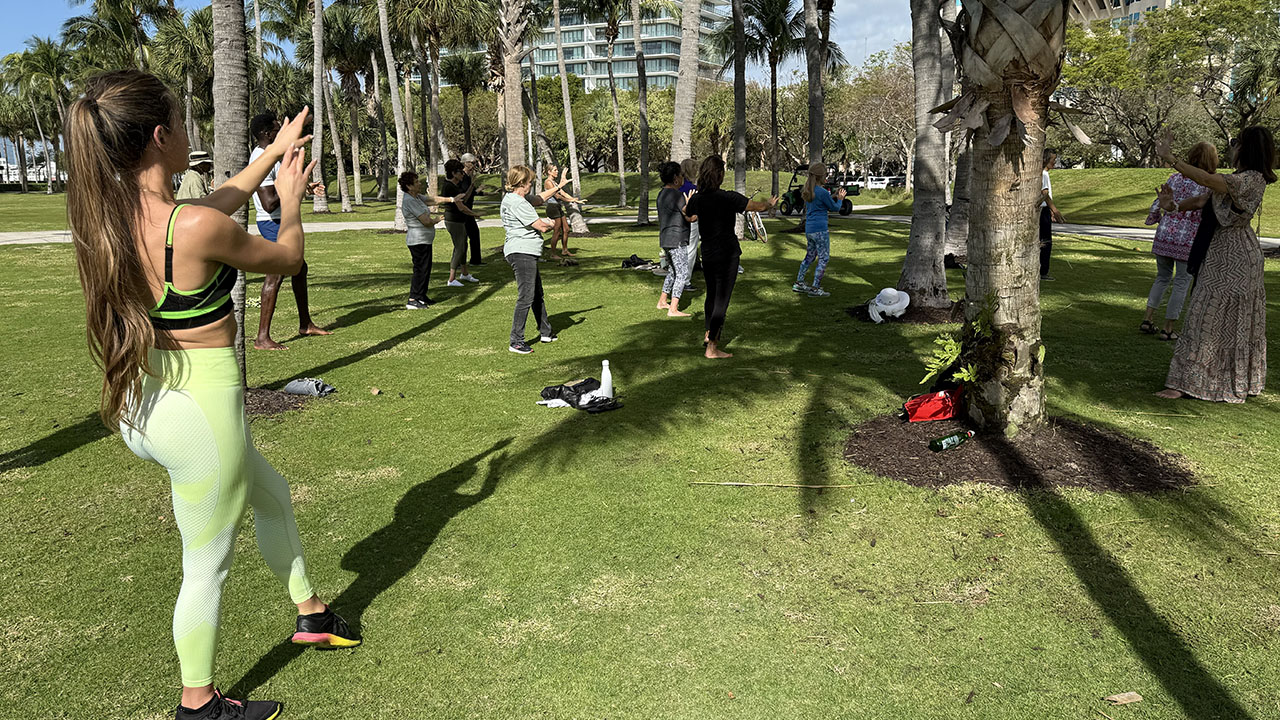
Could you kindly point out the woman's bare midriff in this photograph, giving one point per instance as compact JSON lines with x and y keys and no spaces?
{"x":216,"y":335}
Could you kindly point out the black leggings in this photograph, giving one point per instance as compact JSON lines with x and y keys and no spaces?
{"x":1046,"y":239}
{"x":719,"y":274}
{"x":421,"y":271}
{"x":473,"y":232}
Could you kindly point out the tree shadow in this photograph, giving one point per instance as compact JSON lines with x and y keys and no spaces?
{"x":1149,"y":635}
{"x":51,"y":447}
{"x":388,"y":554}
{"x":564,"y":320}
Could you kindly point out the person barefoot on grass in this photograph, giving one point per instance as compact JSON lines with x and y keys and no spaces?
{"x":715,"y":210}
{"x":673,"y":237}
{"x":266,"y":202}
{"x":157,"y":279}
{"x":556,"y":212}
{"x":1222,"y":353}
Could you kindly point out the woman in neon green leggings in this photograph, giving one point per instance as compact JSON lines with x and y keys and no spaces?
{"x":157,"y":280}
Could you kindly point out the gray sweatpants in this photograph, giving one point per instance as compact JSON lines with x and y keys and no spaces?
{"x":528,"y":296}
{"x":1181,"y":282}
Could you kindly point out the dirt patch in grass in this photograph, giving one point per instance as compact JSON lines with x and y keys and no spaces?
{"x":915,"y":315}
{"x":260,"y":402}
{"x":1067,"y":453}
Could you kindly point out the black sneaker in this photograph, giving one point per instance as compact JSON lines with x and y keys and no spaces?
{"x":227,"y":709}
{"x":325,"y":630}
{"x":521,"y":348}
{"x":549,"y":338}
{"x":1050,"y":278}
{"x":415,"y":305}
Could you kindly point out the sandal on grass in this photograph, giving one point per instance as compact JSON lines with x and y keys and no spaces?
{"x":1167,"y":335}
{"x":1147,"y":327}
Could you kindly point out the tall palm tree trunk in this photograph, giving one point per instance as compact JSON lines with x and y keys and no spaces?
{"x":48,"y":149}
{"x":642,"y":83}
{"x":958,"y":219}
{"x":514,"y":21}
{"x":257,"y":33}
{"x":686,"y":80}
{"x":437,"y":125}
{"x":813,"y":61}
{"x":22,"y":164}
{"x":230,"y":141}
{"x":320,"y":203}
{"x":411,"y":137}
{"x":424,"y":90}
{"x":617,"y":128}
{"x":773,"y":123}
{"x":351,"y":88}
{"x":331,"y":113}
{"x":193,"y":132}
{"x":396,"y":111}
{"x":385,"y":154}
{"x":923,"y":276}
{"x":530,"y":102}
{"x":466,"y":121}
{"x":739,"y":99}
{"x":577,"y":223}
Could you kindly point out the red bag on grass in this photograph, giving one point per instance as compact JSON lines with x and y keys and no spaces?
{"x":942,"y":405}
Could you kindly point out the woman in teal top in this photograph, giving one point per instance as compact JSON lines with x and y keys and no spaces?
{"x":172,"y":384}
{"x":818,"y":204}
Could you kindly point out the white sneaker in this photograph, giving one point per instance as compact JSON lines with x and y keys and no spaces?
{"x":470,"y":278}
{"x":454,"y":283}
{"x":740,"y":270}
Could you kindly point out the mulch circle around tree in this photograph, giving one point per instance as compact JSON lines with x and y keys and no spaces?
{"x":1067,"y":453}
{"x":260,"y":402}
{"x":915,"y":315}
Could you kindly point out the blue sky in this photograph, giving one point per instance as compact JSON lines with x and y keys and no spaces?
{"x":858,"y":25}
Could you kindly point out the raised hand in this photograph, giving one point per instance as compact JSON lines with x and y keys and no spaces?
{"x":1164,"y":145}
{"x":291,"y":179}
{"x":290,"y":135}
{"x":1165,"y":195}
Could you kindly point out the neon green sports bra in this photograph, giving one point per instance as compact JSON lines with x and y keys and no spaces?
{"x":185,"y":309}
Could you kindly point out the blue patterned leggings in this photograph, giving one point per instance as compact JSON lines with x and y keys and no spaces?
{"x":819,"y":250}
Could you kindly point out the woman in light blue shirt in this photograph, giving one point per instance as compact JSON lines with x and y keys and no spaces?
{"x":818,"y":203}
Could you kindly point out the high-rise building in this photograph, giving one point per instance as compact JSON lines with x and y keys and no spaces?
{"x":586,"y":51}
{"x":1115,"y":10}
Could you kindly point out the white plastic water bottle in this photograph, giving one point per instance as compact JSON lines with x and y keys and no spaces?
{"x":606,"y":381}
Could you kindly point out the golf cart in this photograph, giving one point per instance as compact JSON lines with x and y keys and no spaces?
{"x":793,"y":202}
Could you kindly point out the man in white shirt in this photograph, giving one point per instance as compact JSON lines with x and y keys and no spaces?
{"x":1048,"y":212}
{"x":266,"y":204}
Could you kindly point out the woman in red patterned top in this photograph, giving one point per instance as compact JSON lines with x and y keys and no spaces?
{"x":1173,"y":243}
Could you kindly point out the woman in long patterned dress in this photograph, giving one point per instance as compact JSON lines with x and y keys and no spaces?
{"x":1222,"y":354}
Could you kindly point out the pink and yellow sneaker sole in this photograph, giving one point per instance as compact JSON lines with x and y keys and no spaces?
{"x":323,"y":640}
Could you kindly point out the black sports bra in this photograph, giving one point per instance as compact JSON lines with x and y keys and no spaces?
{"x":185,"y":309}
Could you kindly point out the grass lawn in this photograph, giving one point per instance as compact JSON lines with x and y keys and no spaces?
{"x":1113,"y":196}
{"x":510,"y":561}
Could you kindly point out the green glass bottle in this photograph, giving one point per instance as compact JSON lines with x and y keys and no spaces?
{"x":953,"y":440}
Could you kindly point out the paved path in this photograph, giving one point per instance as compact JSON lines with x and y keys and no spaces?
{"x":1143,"y":234}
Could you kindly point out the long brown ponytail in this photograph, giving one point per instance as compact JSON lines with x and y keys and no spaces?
{"x":108,"y":130}
{"x":817,"y":173}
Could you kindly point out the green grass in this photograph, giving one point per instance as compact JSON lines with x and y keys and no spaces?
{"x":1113,"y":196}
{"x":33,"y":211}
{"x":510,"y":561}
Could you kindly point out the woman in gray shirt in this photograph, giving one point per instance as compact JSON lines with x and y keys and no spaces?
{"x":673,"y":237}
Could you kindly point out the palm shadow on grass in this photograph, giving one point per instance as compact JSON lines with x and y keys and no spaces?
{"x":390,"y":553}
{"x":53,"y":446}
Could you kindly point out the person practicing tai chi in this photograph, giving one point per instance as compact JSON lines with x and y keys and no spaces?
{"x":1048,"y":212}
{"x":1172,"y":245}
{"x":267,"y":204}
{"x":818,"y":205}
{"x":673,"y":237}
{"x":1222,"y":353}
{"x":715,"y":210}
{"x":458,"y":219}
{"x":522,"y":249}
{"x":420,"y":236}
{"x":195,"y":182}
{"x":471,"y":188}
{"x":157,"y":279}
{"x":557,"y":213}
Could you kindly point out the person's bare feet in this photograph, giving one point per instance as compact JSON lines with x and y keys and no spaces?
{"x":267,"y":344}
{"x":663,"y":306}
{"x":1171,"y":394}
{"x":715,"y":353}
{"x":566,"y":253}
{"x":672,"y":312}
{"x":314,"y":330}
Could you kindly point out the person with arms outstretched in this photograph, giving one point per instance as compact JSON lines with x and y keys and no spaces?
{"x":157,"y":279}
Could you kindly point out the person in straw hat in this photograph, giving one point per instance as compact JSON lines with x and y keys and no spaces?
{"x":195,"y":182}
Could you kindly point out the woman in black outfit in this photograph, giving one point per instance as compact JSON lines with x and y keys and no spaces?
{"x":714,"y":210}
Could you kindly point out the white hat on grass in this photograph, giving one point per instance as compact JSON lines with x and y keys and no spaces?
{"x":889,"y":302}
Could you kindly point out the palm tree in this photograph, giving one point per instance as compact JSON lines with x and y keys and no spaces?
{"x":923,"y":276}
{"x":45,"y":67}
{"x":14,"y":124}
{"x":348,"y":46}
{"x":257,"y":34}
{"x":184,"y":52}
{"x":577,"y":223}
{"x":384,"y":32}
{"x":611,"y":13}
{"x":124,"y":21}
{"x":513,"y":23}
{"x":28,"y":89}
{"x":686,"y":80}
{"x":344,"y":196}
{"x":814,"y":63}
{"x":320,"y":203}
{"x":1004,"y":62}
{"x":374,"y":79}
{"x":467,"y":72}
{"x":642,"y":83}
{"x":230,"y":141}
{"x":739,"y":97}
